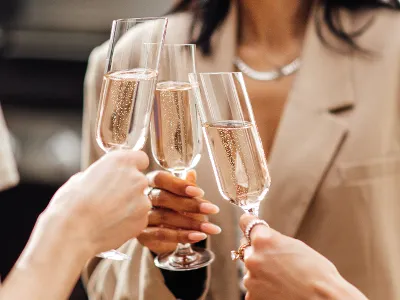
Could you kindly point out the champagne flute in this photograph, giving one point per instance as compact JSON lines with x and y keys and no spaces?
{"x":232,"y":138}
{"x":128,"y":88}
{"x":176,"y":138}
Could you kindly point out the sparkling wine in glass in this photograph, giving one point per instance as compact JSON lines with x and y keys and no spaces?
{"x":175,"y":128}
{"x":232,"y":138}
{"x":129,"y":83}
{"x":176,"y":138}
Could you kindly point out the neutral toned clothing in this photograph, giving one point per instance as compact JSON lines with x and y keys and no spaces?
{"x":8,"y":169}
{"x":335,"y":164}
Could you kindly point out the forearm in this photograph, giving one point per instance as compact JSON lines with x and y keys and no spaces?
{"x":48,"y":268}
{"x":338,"y":289}
{"x":348,"y":291}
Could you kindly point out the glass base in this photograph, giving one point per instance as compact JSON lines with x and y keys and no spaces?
{"x":196,"y":259}
{"x":114,"y":255}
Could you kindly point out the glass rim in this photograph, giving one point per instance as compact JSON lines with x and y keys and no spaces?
{"x":220,"y":73}
{"x":126,"y":20}
{"x":181,"y":45}
{"x":174,"y":45}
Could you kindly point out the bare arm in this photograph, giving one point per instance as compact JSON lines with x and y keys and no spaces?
{"x":97,"y":210}
{"x":51,"y":257}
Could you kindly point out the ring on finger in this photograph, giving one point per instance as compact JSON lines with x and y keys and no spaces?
{"x":148,"y":190}
{"x":251,"y":226}
{"x":154,"y":194}
{"x":239,"y":254}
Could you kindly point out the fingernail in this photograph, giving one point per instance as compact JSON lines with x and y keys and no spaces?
{"x":209,"y":208}
{"x":210,"y":228}
{"x":197,"y":236}
{"x":194,"y":191}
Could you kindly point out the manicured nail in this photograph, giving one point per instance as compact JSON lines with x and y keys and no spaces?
{"x":209,"y":208}
{"x":194,"y":191}
{"x":210,"y":228}
{"x":197,"y":236}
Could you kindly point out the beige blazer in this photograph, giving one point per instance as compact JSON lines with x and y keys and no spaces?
{"x":335,"y":165}
{"x":8,"y":169}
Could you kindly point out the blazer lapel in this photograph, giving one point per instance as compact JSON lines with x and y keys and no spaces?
{"x":309,"y":134}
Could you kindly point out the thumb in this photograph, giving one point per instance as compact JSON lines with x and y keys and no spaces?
{"x":245,"y":220}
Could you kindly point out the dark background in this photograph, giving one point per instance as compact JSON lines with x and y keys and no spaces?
{"x":43,"y":57}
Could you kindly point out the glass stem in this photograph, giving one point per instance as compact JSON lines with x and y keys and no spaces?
{"x":183,"y":251}
{"x":182,"y":247}
{"x":181,"y":175}
{"x":253,"y":210}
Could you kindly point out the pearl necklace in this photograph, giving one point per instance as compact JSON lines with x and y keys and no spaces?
{"x":286,"y":70}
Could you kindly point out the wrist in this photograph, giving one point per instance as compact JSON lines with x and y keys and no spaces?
{"x":337,"y":288}
{"x":52,"y":257}
{"x":348,"y":291}
{"x":54,"y":235}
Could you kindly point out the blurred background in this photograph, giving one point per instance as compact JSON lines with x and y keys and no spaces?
{"x":44,"y":47}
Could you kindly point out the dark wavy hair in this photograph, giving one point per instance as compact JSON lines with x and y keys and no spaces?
{"x":210,"y":14}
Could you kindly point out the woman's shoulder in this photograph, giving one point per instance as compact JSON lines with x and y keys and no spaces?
{"x":388,"y":16}
{"x":382,"y":29}
{"x":178,"y":30}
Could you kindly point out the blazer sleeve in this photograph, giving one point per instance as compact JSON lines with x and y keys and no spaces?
{"x":138,"y":278}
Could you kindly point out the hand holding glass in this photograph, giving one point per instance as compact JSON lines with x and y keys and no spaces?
{"x":176,"y":138}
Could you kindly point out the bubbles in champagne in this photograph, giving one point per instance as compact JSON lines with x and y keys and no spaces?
{"x":175,"y":132}
{"x":126,"y":101}
{"x":122,"y":90}
{"x":231,"y":142}
{"x":239,"y":163}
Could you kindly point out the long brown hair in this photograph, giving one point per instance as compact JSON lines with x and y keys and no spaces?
{"x":210,"y":14}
